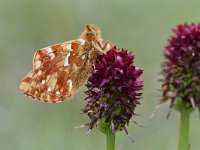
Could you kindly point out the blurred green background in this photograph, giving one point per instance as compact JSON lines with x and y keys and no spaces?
{"x":139,"y":25}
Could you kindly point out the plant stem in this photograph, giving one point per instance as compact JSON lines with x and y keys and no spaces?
{"x":110,"y":139}
{"x":184,"y":130}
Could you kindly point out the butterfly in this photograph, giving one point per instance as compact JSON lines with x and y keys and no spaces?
{"x":61,"y":69}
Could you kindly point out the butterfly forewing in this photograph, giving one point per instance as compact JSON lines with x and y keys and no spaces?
{"x":55,"y":70}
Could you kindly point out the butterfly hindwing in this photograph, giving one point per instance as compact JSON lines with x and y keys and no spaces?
{"x":54,"y":70}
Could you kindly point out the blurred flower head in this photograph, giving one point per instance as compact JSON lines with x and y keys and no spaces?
{"x":113,"y":89}
{"x":181,"y":69}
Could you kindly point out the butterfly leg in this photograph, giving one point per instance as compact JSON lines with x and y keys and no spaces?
{"x":104,"y":48}
{"x":107,"y":46}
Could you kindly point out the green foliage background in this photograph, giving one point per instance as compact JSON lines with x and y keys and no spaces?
{"x":139,"y":25}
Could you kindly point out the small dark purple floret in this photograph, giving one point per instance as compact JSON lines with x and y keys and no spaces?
{"x":181,"y":69}
{"x":113,"y":89}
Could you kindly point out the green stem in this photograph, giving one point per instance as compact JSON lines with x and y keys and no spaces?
{"x":105,"y":127}
{"x":110,"y":139}
{"x":184,"y":130}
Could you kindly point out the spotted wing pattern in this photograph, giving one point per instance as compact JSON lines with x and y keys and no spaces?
{"x":54,"y":73}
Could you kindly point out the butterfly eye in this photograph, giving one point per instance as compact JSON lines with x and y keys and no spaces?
{"x":90,"y":34}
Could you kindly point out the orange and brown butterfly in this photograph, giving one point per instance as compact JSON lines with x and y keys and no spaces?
{"x":59,"y":70}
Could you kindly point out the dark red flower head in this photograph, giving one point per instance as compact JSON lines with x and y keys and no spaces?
{"x":181,"y":69}
{"x":113,"y":89}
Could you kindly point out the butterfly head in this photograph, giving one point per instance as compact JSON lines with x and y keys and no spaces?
{"x":91,"y":33}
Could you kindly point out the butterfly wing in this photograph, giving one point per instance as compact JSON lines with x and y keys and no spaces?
{"x":53,"y":76}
